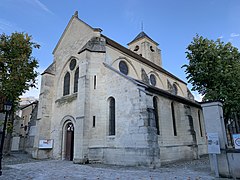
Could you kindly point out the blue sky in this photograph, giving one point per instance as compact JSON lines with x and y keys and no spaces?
{"x":171,"y":23}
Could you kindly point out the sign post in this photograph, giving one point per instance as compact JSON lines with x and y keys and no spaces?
{"x":214,"y":149}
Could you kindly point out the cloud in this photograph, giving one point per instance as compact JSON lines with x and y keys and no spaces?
{"x":6,"y":26}
{"x":234,"y":35}
{"x":220,"y":37}
{"x":40,"y":5}
{"x":198,"y":97}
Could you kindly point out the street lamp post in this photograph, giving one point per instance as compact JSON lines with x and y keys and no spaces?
{"x":7,"y":108}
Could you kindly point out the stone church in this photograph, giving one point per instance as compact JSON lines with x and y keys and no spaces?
{"x":102,"y":102}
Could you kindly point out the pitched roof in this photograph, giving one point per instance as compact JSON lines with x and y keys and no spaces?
{"x":96,"y":44}
{"x":27,"y":105}
{"x":50,"y":69}
{"x":138,"y":57}
{"x":156,"y":90}
{"x":75,"y":16}
{"x":142,"y":35}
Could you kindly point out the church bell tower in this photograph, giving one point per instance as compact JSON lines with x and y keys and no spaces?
{"x":144,"y":46}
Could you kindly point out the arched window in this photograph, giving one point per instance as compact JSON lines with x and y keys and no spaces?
{"x":76,"y":75}
{"x":153,"y":80}
{"x":155,"y":106}
{"x":66,"y":84}
{"x":136,"y":48}
{"x":173,"y":119}
{"x":151,"y":48}
{"x":175,"y":89}
{"x":111,"y":116}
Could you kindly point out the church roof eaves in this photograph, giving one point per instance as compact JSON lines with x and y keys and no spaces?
{"x":138,"y":57}
{"x":27,"y":105}
{"x":156,"y":90}
{"x":172,"y":96}
{"x":94,"y":45}
{"x":142,"y":35}
{"x":49,"y":69}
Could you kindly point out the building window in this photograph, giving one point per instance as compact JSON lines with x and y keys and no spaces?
{"x":144,"y":76}
{"x":111,"y":116}
{"x":136,"y":48}
{"x":72,"y":64}
{"x":94,"y":121}
{"x":66,"y":84}
{"x":94,"y":82}
{"x":123,"y":67}
{"x":200,"y":124}
{"x":153,"y":80}
{"x":76,"y":76}
{"x":173,"y":119}
{"x":151,"y":48}
{"x":155,"y":106}
{"x":175,"y":89}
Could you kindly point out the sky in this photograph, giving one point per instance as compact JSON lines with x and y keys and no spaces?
{"x":171,"y":23}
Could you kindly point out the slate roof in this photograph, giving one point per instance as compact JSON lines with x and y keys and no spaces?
{"x":138,"y":57}
{"x":156,"y":90}
{"x":142,"y":35}
{"x":96,"y":44}
{"x":50,"y":69}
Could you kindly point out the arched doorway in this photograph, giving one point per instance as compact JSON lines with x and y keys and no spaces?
{"x":69,"y":141}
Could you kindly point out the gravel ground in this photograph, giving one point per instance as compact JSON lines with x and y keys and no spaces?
{"x":22,"y":166}
{"x":18,"y":158}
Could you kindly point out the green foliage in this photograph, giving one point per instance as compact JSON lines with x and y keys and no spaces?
{"x":17,"y":66}
{"x":9,"y":127}
{"x":214,"y":71}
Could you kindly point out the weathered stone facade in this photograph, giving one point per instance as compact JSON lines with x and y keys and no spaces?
{"x":115,"y":103}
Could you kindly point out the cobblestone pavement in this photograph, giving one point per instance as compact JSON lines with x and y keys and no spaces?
{"x":22,"y":167}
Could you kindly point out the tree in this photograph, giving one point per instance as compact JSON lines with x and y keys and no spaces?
{"x":17,"y":69}
{"x":17,"y":66}
{"x":214,"y":71}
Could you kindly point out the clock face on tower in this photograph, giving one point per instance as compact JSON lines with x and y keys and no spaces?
{"x":123,"y":67}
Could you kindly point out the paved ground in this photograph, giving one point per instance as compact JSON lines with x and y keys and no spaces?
{"x":22,"y":167}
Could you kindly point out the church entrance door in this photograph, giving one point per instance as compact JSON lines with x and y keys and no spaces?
{"x":69,"y":141}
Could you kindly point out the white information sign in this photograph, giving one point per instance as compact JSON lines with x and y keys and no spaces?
{"x":236,"y":139}
{"x":213,"y":143}
{"x":46,"y":144}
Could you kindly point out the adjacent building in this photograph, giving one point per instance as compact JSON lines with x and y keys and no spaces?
{"x":24,"y":128}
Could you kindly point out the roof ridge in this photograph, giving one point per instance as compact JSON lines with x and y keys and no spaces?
{"x":141,"y":35}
